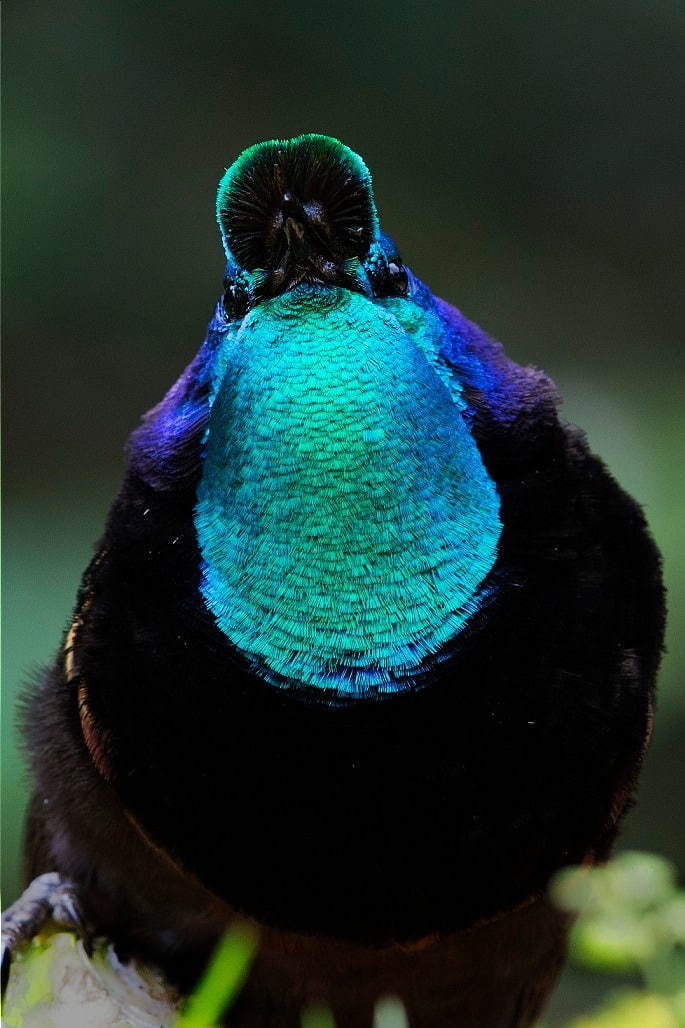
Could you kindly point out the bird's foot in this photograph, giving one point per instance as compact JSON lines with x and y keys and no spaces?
{"x":49,"y":898}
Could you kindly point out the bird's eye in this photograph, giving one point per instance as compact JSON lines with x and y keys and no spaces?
{"x":234,"y":300}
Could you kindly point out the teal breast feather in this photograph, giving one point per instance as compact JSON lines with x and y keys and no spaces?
{"x":344,"y":515}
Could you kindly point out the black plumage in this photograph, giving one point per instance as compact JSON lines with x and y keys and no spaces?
{"x":396,"y":845}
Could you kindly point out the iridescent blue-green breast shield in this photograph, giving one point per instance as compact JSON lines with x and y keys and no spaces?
{"x":344,"y":515}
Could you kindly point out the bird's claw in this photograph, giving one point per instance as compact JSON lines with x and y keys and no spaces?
{"x":49,"y":898}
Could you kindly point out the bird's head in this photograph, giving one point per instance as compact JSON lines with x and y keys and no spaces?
{"x":302,"y":211}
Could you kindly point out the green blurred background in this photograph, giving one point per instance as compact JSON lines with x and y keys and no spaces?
{"x":527,"y":157}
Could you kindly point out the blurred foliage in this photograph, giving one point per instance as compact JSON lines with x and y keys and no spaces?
{"x":632,"y":1009}
{"x":631,"y":918}
{"x":390,"y":1013}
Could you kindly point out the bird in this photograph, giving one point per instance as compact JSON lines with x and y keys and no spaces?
{"x":367,"y":651}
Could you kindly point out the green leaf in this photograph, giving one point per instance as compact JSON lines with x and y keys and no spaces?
{"x":223,"y":978}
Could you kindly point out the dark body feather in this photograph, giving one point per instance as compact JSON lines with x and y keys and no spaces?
{"x":175,"y":786}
